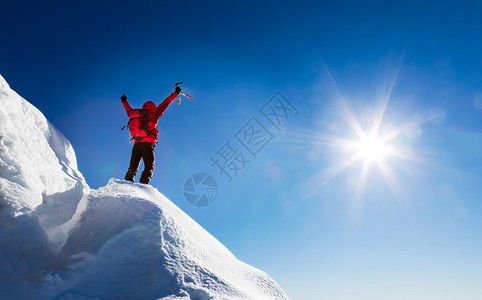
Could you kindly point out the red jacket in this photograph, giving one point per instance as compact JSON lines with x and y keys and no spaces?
{"x":155,"y":112}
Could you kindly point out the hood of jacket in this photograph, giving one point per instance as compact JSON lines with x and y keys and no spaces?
{"x":149,"y":105}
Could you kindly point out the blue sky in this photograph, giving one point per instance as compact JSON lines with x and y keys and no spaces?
{"x":412,"y":232}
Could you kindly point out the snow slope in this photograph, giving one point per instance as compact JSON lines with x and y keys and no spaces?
{"x":61,"y":240}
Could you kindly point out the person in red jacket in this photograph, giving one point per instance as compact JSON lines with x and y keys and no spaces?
{"x":143,"y":128}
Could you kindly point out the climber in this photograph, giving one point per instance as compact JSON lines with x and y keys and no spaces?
{"x":143,"y":128}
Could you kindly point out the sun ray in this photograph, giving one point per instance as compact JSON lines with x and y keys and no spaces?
{"x":389,"y":178}
{"x":357,"y":203}
{"x":319,"y":180}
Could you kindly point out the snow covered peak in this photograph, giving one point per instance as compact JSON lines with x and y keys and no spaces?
{"x":61,"y":240}
{"x":3,"y":83}
{"x":151,"y":249}
{"x":36,"y":161}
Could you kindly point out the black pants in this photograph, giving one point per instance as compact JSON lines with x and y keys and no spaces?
{"x":146,"y":152}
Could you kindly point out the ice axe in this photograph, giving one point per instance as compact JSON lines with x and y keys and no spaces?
{"x":181,"y":93}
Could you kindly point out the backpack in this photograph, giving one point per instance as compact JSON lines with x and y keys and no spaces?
{"x":138,"y":124}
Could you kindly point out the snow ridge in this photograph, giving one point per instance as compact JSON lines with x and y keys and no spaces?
{"x":61,"y":240}
{"x":36,"y":160}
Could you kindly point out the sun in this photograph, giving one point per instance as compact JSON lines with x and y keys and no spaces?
{"x":371,"y":149}
{"x":366,"y":146}
{"x":365,"y":142}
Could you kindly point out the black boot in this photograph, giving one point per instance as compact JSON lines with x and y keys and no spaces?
{"x":130,"y":175}
{"x":145,"y":177}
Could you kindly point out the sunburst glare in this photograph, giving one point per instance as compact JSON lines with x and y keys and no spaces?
{"x":364,"y":143}
{"x":371,"y":149}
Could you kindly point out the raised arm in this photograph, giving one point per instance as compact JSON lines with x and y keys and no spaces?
{"x":126,"y":105}
{"x":165,"y":104}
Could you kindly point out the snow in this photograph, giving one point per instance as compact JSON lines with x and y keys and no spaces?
{"x":36,"y":160}
{"x":59,"y":239}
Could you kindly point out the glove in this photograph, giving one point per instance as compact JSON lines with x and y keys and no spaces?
{"x":178,"y":89}
{"x":124,"y":98}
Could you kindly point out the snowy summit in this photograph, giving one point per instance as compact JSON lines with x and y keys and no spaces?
{"x":59,"y":239}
